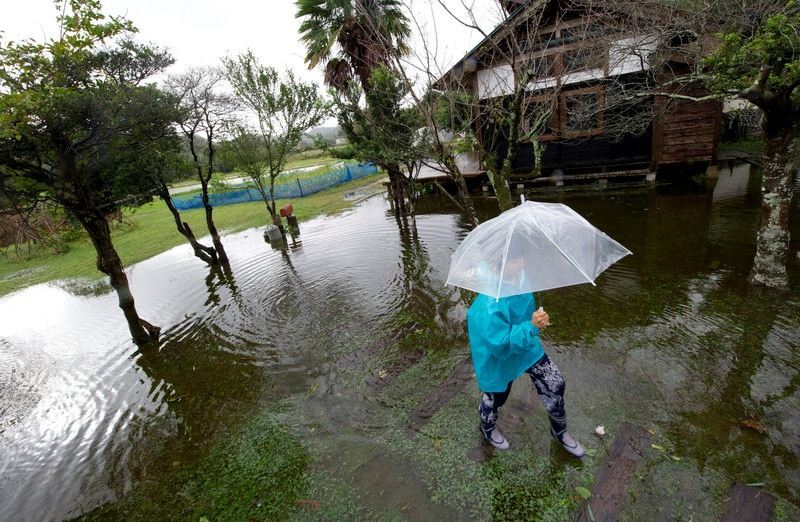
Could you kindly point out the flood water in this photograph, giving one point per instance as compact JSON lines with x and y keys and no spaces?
{"x":672,"y":338}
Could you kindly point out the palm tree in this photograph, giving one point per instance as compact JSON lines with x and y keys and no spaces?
{"x":353,"y":38}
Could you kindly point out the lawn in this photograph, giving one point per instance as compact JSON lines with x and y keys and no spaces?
{"x":296,"y":161}
{"x":151,"y":230}
{"x":283,"y":178}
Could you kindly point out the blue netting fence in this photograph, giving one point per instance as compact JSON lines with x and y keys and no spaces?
{"x":291,"y":188}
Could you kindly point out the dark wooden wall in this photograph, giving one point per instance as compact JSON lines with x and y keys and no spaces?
{"x":582,"y":154}
{"x":587,"y":153}
{"x":685,"y":130}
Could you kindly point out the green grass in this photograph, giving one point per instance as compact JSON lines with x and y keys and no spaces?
{"x":257,"y":474}
{"x":152,"y":230}
{"x":299,"y":161}
{"x":283,"y":178}
{"x":754,"y":145}
{"x":296,"y":161}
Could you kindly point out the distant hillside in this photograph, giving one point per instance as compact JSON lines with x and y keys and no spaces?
{"x":329,"y":134}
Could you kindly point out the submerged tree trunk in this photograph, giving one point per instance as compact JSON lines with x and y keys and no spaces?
{"x":205,"y":253}
{"x":109,"y":263}
{"x":462,"y":190}
{"x":397,"y":182}
{"x":273,"y":208}
{"x":777,"y":187}
{"x":212,"y":228}
{"x":500,"y":184}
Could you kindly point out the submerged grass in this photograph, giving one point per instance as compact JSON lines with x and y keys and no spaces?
{"x":360,"y":449}
{"x":257,"y":474}
{"x":151,"y":230}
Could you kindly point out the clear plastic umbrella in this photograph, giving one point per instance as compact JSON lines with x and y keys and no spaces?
{"x":530,"y":248}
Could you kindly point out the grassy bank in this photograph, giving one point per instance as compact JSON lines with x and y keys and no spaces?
{"x":150,"y":230}
{"x":754,"y":146}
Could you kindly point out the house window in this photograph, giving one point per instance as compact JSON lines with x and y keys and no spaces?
{"x":584,"y":58}
{"x":540,"y":116}
{"x":543,"y":40}
{"x":581,"y":112}
{"x":543,"y":67}
{"x":568,"y":35}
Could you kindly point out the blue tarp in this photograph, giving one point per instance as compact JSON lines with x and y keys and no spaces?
{"x":296,"y":189}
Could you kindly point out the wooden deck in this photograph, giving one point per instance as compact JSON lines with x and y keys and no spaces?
{"x":635,"y":173}
{"x":470,"y":168}
{"x":467,"y":163}
{"x":432,"y":171}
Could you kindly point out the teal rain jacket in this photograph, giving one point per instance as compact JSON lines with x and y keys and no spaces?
{"x":503,"y":340}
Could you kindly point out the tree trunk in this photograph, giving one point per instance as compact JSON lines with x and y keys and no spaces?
{"x":503,"y":175}
{"x":461,"y":187}
{"x":501,"y":188}
{"x":396,"y":179}
{"x":537,"y":156}
{"x":204,"y":253}
{"x":212,"y":228}
{"x":777,"y":187}
{"x":273,"y":208}
{"x":109,"y":263}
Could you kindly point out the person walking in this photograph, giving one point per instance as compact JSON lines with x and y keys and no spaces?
{"x":530,"y":248}
{"x":504,"y":341}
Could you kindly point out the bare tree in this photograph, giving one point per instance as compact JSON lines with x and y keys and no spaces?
{"x":285,"y":109}
{"x":207,"y":111}
{"x":633,"y":67}
{"x":167,"y":165}
{"x":517,"y":82}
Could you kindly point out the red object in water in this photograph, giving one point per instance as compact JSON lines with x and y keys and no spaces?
{"x":287,"y":210}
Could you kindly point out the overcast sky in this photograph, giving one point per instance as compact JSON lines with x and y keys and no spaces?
{"x":199,"y":32}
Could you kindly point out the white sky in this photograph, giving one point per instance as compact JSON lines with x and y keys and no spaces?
{"x":200,"y":32}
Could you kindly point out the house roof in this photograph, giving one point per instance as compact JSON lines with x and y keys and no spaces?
{"x":457,"y":67}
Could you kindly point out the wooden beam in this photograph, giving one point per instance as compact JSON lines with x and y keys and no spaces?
{"x":596,"y":175}
{"x":613,"y":476}
{"x":748,"y":504}
{"x":435,"y":400}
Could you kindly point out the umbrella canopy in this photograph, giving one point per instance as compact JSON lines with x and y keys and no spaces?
{"x":532,"y":247}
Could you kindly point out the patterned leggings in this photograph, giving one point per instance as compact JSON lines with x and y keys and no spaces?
{"x":549,"y":384}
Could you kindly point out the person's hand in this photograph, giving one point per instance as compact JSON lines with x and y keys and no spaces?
{"x":540,"y":318}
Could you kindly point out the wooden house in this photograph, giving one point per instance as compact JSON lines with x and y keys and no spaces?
{"x":574,"y":58}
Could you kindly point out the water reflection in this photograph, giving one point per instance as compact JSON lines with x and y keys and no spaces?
{"x":733,"y":411}
{"x":672,"y":337}
{"x":732,"y":181}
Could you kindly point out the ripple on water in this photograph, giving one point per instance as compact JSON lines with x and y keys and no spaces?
{"x":96,"y":413}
